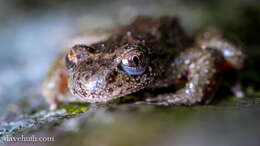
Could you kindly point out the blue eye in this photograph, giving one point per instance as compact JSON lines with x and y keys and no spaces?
{"x":134,"y":62}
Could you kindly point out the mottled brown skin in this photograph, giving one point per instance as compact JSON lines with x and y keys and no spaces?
{"x":149,"y":53}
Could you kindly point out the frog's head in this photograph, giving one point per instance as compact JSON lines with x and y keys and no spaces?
{"x":98,"y":75}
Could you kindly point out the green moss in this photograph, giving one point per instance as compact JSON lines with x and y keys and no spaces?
{"x":76,"y":108}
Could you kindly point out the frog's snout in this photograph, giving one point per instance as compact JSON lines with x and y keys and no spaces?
{"x":96,"y":84}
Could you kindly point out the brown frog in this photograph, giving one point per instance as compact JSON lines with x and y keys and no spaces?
{"x":148,"y":53}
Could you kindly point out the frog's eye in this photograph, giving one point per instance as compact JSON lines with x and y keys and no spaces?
{"x":134,"y":62}
{"x":76,"y":54}
{"x":70,"y":61}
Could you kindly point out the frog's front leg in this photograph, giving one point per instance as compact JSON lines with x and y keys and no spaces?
{"x":202,"y":70}
{"x":55,"y":87}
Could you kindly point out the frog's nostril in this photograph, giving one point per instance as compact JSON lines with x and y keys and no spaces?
{"x":89,"y":62}
{"x":86,"y":78}
{"x":111,"y":77}
{"x":93,"y":72}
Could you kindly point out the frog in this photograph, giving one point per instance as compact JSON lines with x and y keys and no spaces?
{"x":149,"y":53}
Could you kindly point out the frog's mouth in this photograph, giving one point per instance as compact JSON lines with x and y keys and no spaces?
{"x":96,"y":98}
{"x":126,"y":93}
{"x":102,"y":88}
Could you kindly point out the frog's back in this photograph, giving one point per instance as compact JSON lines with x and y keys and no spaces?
{"x":162,"y":35}
{"x":163,"y":31}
